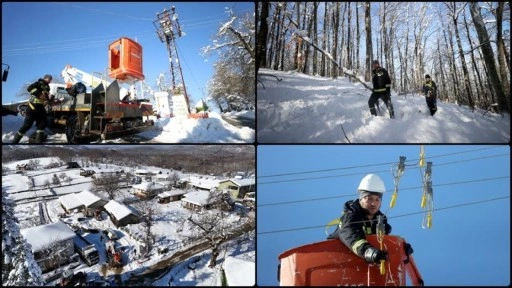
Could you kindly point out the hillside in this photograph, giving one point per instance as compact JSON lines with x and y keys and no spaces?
{"x":308,"y":109}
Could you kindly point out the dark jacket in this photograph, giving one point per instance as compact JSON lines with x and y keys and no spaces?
{"x":381,"y":80}
{"x":39,"y":87}
{"x":431,"y":86}
{"x":353,"y":234}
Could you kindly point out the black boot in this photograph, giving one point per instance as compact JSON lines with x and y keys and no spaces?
{"x":39,"y":137}
{"x":17,"y":138}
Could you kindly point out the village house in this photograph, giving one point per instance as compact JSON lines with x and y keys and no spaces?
{"x":197,"y":200}
{"x":207,"y":183}
{"x":170,"y":196}
{"x":70,"y":202}
{"x":148,"y":189}
{"x":85,"y":201}
{"x":121,"y":215}
{"x":52,"y":244}
{"x":91,"y":202}
{"x":238,"y":187}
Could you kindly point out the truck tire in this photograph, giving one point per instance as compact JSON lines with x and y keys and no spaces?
{"x":71,"y":128}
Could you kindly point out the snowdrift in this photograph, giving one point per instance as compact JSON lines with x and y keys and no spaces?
{"x":167,"y":130}
{"x":309,"y":109}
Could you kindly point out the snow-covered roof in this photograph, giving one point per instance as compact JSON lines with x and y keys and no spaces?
{"x":204,"y":182}
{"x":141,"y":171}
{"x":148,"y":186}
{"x":242,"y":182}
{"x":70,"y":201}
{"x":119,"y":210}
{"x":87,"y":198}
{"x":197,"y":197}
{"x":171,"y":193}
{"x":239,"y":272}
{"x":40,"y":236}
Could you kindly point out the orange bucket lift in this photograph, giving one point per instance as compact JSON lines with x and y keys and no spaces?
{"x":331,"y":263}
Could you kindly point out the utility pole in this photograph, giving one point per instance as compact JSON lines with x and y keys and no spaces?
{"x":168,"y":30}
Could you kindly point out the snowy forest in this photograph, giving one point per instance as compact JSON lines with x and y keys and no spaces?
{"x":464,"y":46}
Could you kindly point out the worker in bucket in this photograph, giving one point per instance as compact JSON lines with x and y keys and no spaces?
{"x":360,"y":218}
{"x":36,"y":111}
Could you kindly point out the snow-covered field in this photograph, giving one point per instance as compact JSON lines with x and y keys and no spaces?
{"x":309,"y":109}
{"x":167,"y":130}
{"x":168,"y":227}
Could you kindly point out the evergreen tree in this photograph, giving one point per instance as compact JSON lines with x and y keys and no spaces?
{"x":18,"y":266}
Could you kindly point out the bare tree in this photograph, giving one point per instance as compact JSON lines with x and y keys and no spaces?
{"x":55,"y":180}
{"x":483,"y":37}
{"x":148,"y":214}
{"x":108,"y":183}
{"x":369,"y":49}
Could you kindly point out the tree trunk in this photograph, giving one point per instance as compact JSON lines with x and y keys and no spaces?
{"x":315,"y":37}
{"x":467,"y":84}
{"x":324,"y":41}
{"x":453,"y":70}
{"x":368,"y":27}
{"x":349,"y":41}
{"x":283,"y":38}
{"x":480,"y":87}
{"x":278,"y":26}
{"x":503,"y":62}
{"x":261,"y":45}
{"x":336,"y":24}
{"x":298,"y":45}
{"x":358,"y":40}
{"x":483,"y":37}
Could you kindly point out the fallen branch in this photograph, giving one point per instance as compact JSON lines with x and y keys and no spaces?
{"x":345,"y":133}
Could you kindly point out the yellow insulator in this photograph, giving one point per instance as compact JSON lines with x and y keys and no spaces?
{"x":393,"y":199}
{"x":423,"y":200}
{"x":382,"y":267}
{"x":429,"y":220}
{"x":422,"y":156}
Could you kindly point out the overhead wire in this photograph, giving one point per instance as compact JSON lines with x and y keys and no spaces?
{"x":380,"y":171}
{"x":407,"y":188}
{"x":379,"y":164}
{"x":391,"y":217}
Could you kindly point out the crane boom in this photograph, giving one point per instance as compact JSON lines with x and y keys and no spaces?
{"x":74,"y":75}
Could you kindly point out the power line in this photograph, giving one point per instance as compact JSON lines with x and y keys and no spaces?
{"x":401,"y":189}
{"x":397,"y":216}
{"x":370,"y":165}
{"x":380,"y":171}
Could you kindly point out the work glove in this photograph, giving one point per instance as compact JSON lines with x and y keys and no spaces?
{"x":372,"y":255}
{"x":408,"y":249}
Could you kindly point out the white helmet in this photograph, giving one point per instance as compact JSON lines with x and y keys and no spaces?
{"x":371,"y":183}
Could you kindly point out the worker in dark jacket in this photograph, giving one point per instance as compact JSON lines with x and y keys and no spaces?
{"x":36,"y":111}
{"x":430,"y":92}
{"x":360,"y":218}
{"x":381,"y":89}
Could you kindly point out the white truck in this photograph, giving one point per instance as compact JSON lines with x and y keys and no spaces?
{"x":87,"y":250}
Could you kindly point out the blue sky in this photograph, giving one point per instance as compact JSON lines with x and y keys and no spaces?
{"x":41,"y":38}
{"x":468,"y":245}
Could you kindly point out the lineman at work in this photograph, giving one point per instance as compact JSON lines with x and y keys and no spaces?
{"x":381,"y":89}
{"x":36,"y":111}
{"x":360,"y":218}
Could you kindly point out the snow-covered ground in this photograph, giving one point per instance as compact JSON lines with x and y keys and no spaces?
{"x":170,"y":228}
{"x":243,"y":114}
{"x":237,"y":259}
{"x":167,"y":130}
{"x":309,"y":109}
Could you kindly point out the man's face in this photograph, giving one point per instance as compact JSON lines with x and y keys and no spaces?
{"x":371,"y":204}
{"x":375,"y":66}
{"x":427,"y":79}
